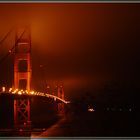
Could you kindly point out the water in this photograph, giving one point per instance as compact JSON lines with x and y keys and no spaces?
{"x":96,"y":124}
{"x":89,"y":124}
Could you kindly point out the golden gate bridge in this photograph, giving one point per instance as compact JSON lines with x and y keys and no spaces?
{"x":22,"y":79}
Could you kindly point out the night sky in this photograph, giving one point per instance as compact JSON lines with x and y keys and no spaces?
{"x":88,"y":46}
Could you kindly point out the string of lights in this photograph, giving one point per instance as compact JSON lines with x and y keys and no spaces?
{"x":26,"y":92}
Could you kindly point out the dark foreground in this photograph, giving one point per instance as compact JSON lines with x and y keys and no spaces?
{"x":93,"y":124}
{"x":90,"y":124}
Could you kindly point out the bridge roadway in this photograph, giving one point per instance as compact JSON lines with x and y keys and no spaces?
{"x":18,"y":92}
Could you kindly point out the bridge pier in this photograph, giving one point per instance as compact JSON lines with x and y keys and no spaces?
{"x":22,"y":76}
{"x":22,"y":114}
{"x":61,"y":107}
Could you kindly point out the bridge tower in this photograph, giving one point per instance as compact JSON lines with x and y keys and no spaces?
{"x":22,"y":76}
{"x":61,"y":109}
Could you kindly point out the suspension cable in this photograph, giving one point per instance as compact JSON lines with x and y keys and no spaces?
{"x":5,"y":37}
{"x":13,"y":47}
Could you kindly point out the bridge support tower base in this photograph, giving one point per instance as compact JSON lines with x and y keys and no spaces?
{"x":61,"y":106}
{"x":22,"y":114}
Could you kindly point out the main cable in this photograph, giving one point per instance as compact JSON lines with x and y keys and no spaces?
{"x":5,"y":37}
{"x":13,"y":47}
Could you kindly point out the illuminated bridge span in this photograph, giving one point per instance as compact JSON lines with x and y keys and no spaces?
{"x":31,"y":93}
{"x":22,"y":79}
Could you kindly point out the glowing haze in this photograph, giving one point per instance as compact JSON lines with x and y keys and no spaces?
{"x":85,"y":45}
